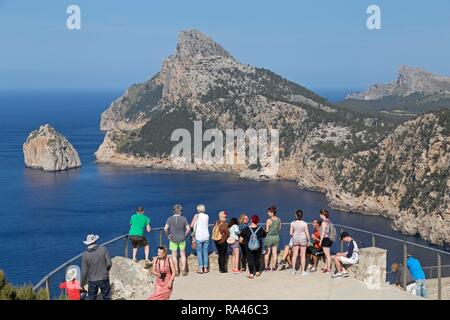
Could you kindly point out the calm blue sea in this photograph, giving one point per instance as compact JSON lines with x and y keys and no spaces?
{"x":45,"y":216}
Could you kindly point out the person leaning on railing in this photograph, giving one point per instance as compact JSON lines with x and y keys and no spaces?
{"x":139,"y":222}
{"x":415,"y":268}
{"x":398,"y":269}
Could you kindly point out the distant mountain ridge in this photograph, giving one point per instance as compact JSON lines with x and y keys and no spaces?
{"x":415,"y":91}
{"x":409,"y":80}
{"x":350,"y":156}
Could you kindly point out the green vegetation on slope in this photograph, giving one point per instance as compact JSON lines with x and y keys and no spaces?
{"x":9,"y":292}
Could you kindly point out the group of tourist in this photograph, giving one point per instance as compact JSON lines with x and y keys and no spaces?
{"x":244,"y":237}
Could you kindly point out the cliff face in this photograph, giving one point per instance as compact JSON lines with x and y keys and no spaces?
{"x":359,"y":162}
{"x":405,"y":178}
{"x":48,"y":150}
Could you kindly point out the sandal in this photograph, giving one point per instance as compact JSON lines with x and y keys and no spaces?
{"x":258,"y":274}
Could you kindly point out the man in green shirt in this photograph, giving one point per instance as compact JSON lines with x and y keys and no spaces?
{"x":139,"y":223}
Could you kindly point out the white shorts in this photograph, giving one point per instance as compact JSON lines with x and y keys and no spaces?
{"x":346,"y":260}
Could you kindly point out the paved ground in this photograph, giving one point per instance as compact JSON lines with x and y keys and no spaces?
{"x":278,"y":285}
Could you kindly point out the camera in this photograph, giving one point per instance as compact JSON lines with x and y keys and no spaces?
{"x":162,"y":276}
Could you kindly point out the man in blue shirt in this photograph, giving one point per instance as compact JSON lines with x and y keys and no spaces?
{"x":417,"y":274}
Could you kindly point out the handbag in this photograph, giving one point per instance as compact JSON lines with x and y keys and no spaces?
{"x":193,"y":242}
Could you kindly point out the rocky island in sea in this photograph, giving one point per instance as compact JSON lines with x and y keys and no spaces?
{"x":48,"y":150}
{"x":397,"y":167}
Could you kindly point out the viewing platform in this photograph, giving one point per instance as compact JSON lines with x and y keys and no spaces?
{"x":280,"y":285}
{"x":370,"y":279}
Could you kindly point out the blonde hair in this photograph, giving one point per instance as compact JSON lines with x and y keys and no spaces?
{"x":394,"y":267}
{"x":241,"y":218}
{"x":222,"y":215}
{"x":201,"y":208}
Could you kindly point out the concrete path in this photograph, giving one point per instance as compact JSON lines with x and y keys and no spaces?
{"x":278,"y":285}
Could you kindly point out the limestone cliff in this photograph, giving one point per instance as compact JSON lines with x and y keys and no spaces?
{"x":322,"y":147}
{"x":48,"y":150}
{"x":406,"y":178}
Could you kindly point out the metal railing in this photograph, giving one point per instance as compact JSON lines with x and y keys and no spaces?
{"x":435,"y":262}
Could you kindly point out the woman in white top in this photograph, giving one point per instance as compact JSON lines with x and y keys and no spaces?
{"x":200,"y":233}
{"x":233,"y":241}
{"x":300,"y":240}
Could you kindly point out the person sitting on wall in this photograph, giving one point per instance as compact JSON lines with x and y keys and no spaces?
{"x":286,"y":261}
{"x":314,"y":251}
{"x":350,"y":257}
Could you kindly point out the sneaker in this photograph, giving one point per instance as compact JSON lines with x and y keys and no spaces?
{"x":345,"y":274}
{"x":184,"y":273}
{"x":337,"y":275}
{"x":135,"y":260}
{"x":313,"y":270}
{"x":304,"y":273}
{"x":258,"y":274}
{"x":294,"y":273}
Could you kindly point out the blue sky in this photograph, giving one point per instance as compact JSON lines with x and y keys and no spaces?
{"x":319,"y":44}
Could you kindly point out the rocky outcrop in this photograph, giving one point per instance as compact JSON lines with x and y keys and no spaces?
{"x":130,"y":280}
{"x":409,"y":80}
{"x":48,"y":150}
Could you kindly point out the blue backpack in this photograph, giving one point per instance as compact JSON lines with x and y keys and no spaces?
{"x":253,"y":243}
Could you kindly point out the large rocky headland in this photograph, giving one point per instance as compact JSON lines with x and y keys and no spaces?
{"x":397,"y":167}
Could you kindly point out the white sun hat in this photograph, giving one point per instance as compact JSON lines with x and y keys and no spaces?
{"x":71,"y":274}
{"x":90,"y":239}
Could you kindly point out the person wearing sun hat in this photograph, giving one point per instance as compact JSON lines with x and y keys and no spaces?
{"x":72,"y":284}
{"x":96,"y":263}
